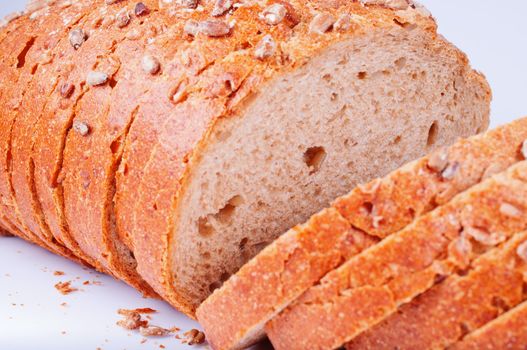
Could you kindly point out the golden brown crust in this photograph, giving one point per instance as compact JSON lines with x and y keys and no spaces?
{"x":92,"y":156}
{"x":39,"y":85}
{"x":277,"y":276}
{"x":457,"y":306}
{"x":371,"y":286}
{"x":505,"y":332}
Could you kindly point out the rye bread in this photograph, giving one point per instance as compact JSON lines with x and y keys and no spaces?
{"x":370,"y":287}
{"x":415,"y":185}
{"x":491,"y":285}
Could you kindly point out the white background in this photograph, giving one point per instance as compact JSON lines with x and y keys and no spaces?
{"x":492,"y":33}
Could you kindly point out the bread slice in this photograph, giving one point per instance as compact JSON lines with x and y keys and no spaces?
{"x":459,"y":305}
{"x":371,"y":286}
{"x":39,"y":84}
{"x":258,"y":143}
{"x":415,"y":184}
{"x":30,"y":48}
{"x":505,"y":332}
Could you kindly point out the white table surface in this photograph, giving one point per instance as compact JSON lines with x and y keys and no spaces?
{"x":493,"y":34}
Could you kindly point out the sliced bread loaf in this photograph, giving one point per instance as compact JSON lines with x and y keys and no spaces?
{"x":459,"y":305}
{"x":415,"y":185}
{"x":266,"y":134}
{"x":505,"y":332}
{"x":249,"y":108}
{"x":372,"y":285}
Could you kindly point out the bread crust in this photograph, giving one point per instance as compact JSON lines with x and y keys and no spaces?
{"x":371,"y":286}
{"x":505,"y":332}
{"x":459,"y":305}
{"x":281,"y":272}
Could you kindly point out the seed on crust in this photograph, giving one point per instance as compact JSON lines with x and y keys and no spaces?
{"x":123,"y":18}
{"x":321,"y":23}
{"x":522,"y":251}
{"x":96,"y":78}
{"x":438,"y":160}
{"x":221,"y":6}
{"x":510,"y":210}
{"x":77,"y":37}
{"x":265,"y":48}
{"x":460,"y":250}
{"x":484,"y":237}
{"x":141,"y":9}
{"x":343,"y":23}
{"x":66,"y":90}
{"x":214,"y":28}
{"x":450,"y":171}
{"x":274,"y":14}
{"x":150,"y":64}
{"x":81,"y":128}
{"x":191,"y":27}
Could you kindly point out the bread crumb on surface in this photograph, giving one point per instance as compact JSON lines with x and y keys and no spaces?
{"x":58,"y":273}
{"x":65,"y":288}
{"x":194,"y":337}
{"x":154,"y":331}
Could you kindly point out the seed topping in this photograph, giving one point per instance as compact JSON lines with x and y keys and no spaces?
{"x":96,"y":78}
{"x":150,"y":64}
{"x":274,"y":14}
{"x":265,"y":48}
{"x":77,"y":38}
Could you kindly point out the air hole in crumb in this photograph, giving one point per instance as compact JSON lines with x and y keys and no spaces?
{"x":243,"y":243}
{"x":432,"y":134}
{"x":205,"y":255}
{"x":225,"y":213}
{"x":314,"y":157}
{"x":327,"y":77}
{"x":397,"y":140}
{"x":215,"y":285}
{"x":400,"y":63}
{"x":334,"y":96}
{"x":205,"y":229}
{"x":362,"y":75}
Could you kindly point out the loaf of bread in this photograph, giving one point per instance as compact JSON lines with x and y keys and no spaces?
{"x":459,"y":305}
{"x":299,"y":258}
{"x":372,"y":286}
{"x":168,"y":142}
{"x":505,"y":332}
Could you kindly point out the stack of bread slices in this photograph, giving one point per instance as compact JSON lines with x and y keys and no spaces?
{"x":432,"y":256}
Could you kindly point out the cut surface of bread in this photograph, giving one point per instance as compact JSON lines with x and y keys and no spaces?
{"x":371,"y":286}
{"x":417,"y":185}
{"x":274,"y":155}
{"x":459,"y":305}
{"x":505,"y":332}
